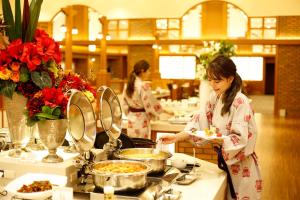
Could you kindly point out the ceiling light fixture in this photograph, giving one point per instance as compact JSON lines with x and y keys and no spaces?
{"x":63,"y":28}
{"x":74,"y":31}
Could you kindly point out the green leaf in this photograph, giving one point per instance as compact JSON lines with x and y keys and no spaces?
{"x":46,"y":116}
{"x":7,"y":88}
{"x":35,"y":9}
{"x":18,"y":26}
{"x":56,"y":111}
{"x":53,"y":68}
{"x":47,"y":110}
{"x":24,"y":74}
{"x":42,"y":79}
{"x":9,"y":20}
{"x":26,"y":19}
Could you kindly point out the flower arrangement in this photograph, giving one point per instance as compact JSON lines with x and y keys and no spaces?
{"x":51,"y":103}
{"x":48,"y":103}
{"x":31,"y":61}
{"x":73,"y":81}
{"x":30,"y":65}
{"x":209,"y":52}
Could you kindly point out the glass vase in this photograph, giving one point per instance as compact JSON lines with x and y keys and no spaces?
{"x":52,"y":134}
{"x":35,"y":142}
{"x":19,"y":132}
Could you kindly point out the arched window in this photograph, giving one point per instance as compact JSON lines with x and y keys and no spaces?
{"x":216,"y":19}
{"x":192,"y":23}
{"x":237,"y":22}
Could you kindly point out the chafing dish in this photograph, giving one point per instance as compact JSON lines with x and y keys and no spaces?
{"x":156,"y":159}
{"x":107,"y":173}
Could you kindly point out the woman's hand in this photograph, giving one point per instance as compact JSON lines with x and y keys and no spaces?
{"x":169,"y":112}
{"x":168,"y":139}
{"x":172,"y":138}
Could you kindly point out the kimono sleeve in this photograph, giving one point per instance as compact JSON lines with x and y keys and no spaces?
{"x":234,"y":145}
{"x":151,"y":104}
{"x":203,"y":118}
{"x":200,"y":120}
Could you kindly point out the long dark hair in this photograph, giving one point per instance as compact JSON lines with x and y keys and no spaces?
{"x":138,"y":68}
{"x":224,"y":67}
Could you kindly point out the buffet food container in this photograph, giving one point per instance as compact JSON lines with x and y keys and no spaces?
{"x":156,"y":159}
{"x":123,"y":175}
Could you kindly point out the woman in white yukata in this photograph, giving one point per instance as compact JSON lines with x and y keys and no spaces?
{"x":139,"y":104}
{"x":229,"y":111}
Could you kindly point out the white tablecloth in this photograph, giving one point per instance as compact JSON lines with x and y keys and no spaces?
{"x":210,"y":186}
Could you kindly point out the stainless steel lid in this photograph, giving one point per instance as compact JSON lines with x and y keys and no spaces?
{"x":110,"y":113}
{"x":81,"y":120}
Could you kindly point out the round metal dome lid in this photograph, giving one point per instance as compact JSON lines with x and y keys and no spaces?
{"x":81,"y":120}
{"x":110,"y":112}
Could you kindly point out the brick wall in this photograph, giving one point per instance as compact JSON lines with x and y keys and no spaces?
{"x":205,"y":152}
{"x":288,"y":79}
{"x":288,"y":68}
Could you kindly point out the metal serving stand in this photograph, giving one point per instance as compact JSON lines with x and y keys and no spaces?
{"x":82,"y":128}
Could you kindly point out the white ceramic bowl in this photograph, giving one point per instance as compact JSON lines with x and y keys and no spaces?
{"x":178,"y":163}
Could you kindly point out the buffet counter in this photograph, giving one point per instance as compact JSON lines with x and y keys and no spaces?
{"x":211,"y":184}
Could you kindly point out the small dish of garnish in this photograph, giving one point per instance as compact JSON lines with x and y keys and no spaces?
{"x":207,"y":135}
{"x":35,"y":185}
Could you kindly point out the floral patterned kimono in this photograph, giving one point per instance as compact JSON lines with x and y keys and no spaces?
{"x":142,"y":98}
{"x":240,"y":133}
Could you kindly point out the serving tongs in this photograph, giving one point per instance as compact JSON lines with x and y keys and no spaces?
{"x":143,"y":142}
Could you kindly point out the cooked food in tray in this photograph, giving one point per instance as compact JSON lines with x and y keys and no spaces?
{"x":119,"y":168}
{"x":36,"y":186}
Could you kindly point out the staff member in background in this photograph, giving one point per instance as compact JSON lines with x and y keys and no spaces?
{"x":139,"y":104}
{"x":229,"y":112}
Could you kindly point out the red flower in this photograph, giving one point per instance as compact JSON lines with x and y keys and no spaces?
{"x":55,"y":97}
{"x":4,"y":58}
{"x":45,"y":47}
{"x":72,"y":81}
{"x":51,"y":97}
{"x":30,"y":56}
{"x":40,"y":33}
{"x":57,"y":54}
{"x":34,"y":105}
{"x":28,"y":89}
{"x":15,"y":48}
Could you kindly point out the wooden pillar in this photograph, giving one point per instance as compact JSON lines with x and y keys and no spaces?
{"x":155,"y":74}
{"x":68,"y":45}
{"x":103,"y":76}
